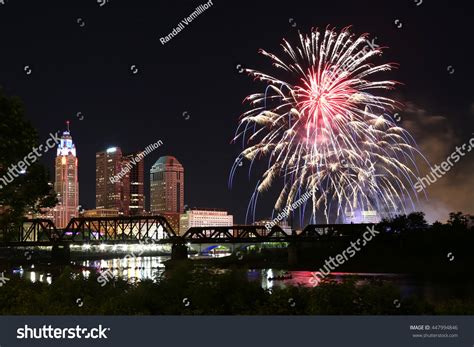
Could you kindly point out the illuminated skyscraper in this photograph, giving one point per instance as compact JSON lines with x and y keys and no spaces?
{"x":134,"y":164}
{"x":66,"y":183}
{"x":167,"y":186}
{"x":111,"y":189}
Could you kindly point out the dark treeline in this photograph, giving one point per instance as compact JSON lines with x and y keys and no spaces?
{"x":415,"y":221}
{"x":404,"y":244}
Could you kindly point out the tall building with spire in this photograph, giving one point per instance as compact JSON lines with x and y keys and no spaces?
{"x":66,"y":181}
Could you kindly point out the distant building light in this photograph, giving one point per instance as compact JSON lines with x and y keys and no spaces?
{"x":111,"y":150}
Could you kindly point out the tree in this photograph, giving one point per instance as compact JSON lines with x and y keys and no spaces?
{"x":416,"y":221}
{"x":458,"y":221}
{"x":28,"y":191}
{"x":438,"y":226}
{"x":399,"y":223}
{"x":402,"y":223}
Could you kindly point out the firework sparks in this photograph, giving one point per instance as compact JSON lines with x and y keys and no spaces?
{"x":325,"y":128}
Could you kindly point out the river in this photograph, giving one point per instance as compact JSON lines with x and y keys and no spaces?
{"x":150,"y":267}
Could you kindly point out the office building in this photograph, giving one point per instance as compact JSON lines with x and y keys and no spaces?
{"x":362,"y":216}
{"x":167,"y":186}
{"x":111,"y":186}
{"x":99,"y":213}
{"x":120,"y":181}
{"x":173,"y":219}
{"x":284,"y":225}
{"x":204,"y":218}
{"x":134,"y":164}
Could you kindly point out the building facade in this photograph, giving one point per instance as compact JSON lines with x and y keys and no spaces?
{"x":99,"y":213}
{"x":120,"y":181}
{"x":362,"y":216}
{"x":167,"y":186}
{"x":284,"y":225}
{"x":133,"y":163}
{"x":66,"y":183}
{"x":204,"y":218}
{"x":173,"y":219}
{"x":111,"y":193}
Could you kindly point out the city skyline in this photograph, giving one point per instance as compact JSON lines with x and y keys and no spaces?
{"x":119,"y":186}
{"x":120,"y":191}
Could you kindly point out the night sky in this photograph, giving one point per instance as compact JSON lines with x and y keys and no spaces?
{"x":80,"y":55}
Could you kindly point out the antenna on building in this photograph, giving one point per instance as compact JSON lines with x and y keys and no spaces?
{"x":67,"y":123}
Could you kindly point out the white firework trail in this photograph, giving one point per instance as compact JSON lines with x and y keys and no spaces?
{"x":325,"y":128}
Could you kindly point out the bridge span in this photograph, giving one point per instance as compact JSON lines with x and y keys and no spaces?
{"x":157,"y":230}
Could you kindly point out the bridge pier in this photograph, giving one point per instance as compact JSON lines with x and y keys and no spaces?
{"x":179,"y":250}
{"x":60,"y":254}
{"x":293,"y":250}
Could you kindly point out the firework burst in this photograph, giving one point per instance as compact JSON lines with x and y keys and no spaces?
{"x":326,"y":128}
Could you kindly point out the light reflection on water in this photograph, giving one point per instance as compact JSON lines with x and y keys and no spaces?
{"x":41,"y":278}
{"x":130,"y":268}
{"x":140,"y":268}
{"x":34,"y":276}
{"x":274,"y":278}
{"x":151,"y":267}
